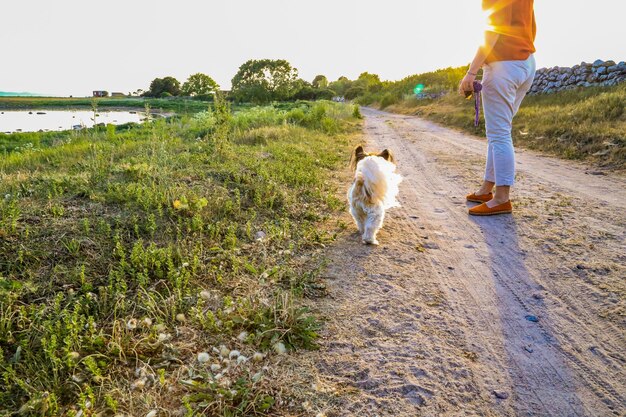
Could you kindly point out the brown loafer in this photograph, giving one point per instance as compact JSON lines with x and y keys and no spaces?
{"x":483,"y":198}
{"x":484,"y":210}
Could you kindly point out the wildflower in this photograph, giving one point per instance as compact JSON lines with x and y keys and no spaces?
{"x":185,"y":264}
{"x":233,"y":354}
{"x":162,"y":337}
{"x":177,"y":204}
{"x":241,"y":359}
{"x":205,"y":295}
{"x":74,"y":356}
{"x":258,"y":357}
{"x":180,"y":317}
{"x":215,"y":367}
{"x":242,"y":336}
{"x":131,"y":324}
{"x":280,"y":348}
{"x":203,"y":357}
{"x":147,"y":322}
{"x":159,"y":327}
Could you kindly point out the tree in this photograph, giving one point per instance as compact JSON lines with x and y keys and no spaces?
{"x":265,"y":80}
{"x":320,"y":81}
{"x":340,"y":86}
{"x":163,"y":87}
{"x":199,"y":85}
{"x":370,"y":82}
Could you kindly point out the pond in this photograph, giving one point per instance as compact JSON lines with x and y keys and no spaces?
{"x":12,"y":121}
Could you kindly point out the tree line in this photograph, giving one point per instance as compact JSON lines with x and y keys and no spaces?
{"x":266,"y":80}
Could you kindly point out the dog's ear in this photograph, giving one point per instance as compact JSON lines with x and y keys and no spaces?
{"x":387,"y":155}
{"x":357,"y":155}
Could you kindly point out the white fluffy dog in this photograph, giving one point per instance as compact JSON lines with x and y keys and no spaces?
{"x":373,"y":191}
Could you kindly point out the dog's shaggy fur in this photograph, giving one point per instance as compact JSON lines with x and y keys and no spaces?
{"x":373,"y":191}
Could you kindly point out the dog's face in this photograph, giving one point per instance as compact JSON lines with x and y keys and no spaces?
{"x":359,"y":153}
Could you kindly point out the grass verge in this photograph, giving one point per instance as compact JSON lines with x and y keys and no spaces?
{"x":160,"y":268}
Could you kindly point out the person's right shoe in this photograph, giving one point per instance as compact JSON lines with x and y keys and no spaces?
{"x":483,"y":198}
{"x":485,"y":210}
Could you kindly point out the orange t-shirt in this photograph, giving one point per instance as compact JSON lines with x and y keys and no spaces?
{"x":514,"y":20}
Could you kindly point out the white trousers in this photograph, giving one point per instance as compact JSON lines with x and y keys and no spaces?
{"x":505,"y":83}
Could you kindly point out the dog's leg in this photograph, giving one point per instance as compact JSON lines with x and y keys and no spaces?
{"x":358,"y":217}
{"x":373,"y":223}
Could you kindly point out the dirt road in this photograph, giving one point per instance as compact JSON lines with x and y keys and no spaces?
{"x":520,"y":315}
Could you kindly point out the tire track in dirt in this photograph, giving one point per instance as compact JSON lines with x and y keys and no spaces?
{"x":435,"y":321}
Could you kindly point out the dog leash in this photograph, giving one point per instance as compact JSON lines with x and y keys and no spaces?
{"x":478,"y":87}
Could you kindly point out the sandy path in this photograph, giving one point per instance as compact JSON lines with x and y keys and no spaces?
{"x":435,"y":321}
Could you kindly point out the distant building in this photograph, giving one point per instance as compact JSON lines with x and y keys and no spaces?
{"x":100,"y":93}
{"x":118,"y":95}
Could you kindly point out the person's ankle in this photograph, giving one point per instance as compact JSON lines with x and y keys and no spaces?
{"x":499,"y":200}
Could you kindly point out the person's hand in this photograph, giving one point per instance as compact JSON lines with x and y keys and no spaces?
{"x":467,"y":84}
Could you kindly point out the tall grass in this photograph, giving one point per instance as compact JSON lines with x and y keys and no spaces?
{"x":157,"y":268}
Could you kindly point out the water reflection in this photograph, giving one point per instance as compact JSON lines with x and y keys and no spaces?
{"x":54,"y":120}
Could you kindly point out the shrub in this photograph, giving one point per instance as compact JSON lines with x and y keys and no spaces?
{"x":388,"y":99}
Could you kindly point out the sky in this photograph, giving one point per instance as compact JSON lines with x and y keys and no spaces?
{"x":71,"y":47}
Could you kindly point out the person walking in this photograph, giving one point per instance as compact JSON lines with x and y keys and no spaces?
{"x":508,"y":67}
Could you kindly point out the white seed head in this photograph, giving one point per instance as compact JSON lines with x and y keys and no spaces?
{"x":233,"y":354}
{"x":78,"y":378}
{"x":163,"y":337}
{"x":241,"y":359}
{"x":258,"y":357}
{"x":224,"y":351}
{"x":203,"y":357}
{"x":257,"y":377}
{"x":73,"y":356}
{"x":216,"y":367}
{"x":242,"y":336}
{"x":152,"y":413}
{"x":180,"y":317}
{"x":146,"y":322}
{"x":185,"y":264}
{"x":205,"y":295}
{"x":131,"y":324}
{"x":160,"y":327}
{"x":264,"y":275}
{"x":138,"y":384}
{"x":280,"y":348}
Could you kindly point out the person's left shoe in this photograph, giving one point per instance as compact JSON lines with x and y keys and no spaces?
{"x":485,"y":210}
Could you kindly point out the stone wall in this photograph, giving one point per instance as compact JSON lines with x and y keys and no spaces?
{"x":550,"y":80}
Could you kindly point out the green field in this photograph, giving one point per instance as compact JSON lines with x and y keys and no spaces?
{"x":162,"y":266}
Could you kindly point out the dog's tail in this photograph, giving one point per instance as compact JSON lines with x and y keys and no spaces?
{"x":378,"y":180}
